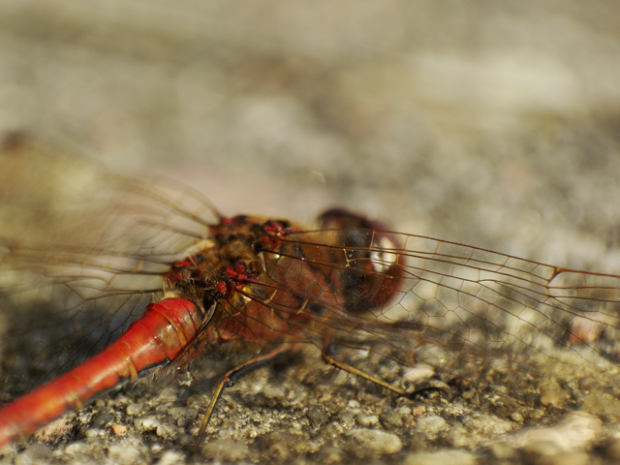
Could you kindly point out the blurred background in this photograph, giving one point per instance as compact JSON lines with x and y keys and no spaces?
{"x":496,"y":124}
{"x":491,"y":123}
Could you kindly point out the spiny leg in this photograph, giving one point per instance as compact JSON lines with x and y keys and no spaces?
{"x":232,"y":376}
{"x":355,"y":371}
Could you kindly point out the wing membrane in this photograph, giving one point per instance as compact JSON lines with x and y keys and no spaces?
{"x":83,"y":251}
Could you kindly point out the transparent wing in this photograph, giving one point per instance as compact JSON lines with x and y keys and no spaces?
{"x":472,"y":301}
{"x":82,"y":252}
{"x":99,"y":245}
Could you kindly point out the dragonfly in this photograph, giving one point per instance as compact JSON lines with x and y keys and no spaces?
{"x":142,"y":276}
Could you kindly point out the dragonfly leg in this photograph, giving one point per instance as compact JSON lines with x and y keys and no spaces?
{"x":234,"y":374}
{"x":327,"y":358}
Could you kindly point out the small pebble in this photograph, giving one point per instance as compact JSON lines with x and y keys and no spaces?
{"x":353,"y":404}
{"x":432,"y":424}
{"x":52,"y":431}
{"x":545,"y":453}
{"x":168,"y":394}
{"x":125,"y":454}
{"x":347,"y":418}
{"x":78,"y":448}
{"x":225,"y":450}
{"x":148,"y":423}
{"x":102,"y":420}
{"x":552,"y":393}
{"x":134,"y":409}
{"x":419,"y":410}
{"x":317,"y":416}
{"x":378,"y":442}
{"x":35,"y":453}
{"x":488,"y":425}
{"x":119,"y":430}
{"x":167,"y":431}
{"x":171,"y":457}
{"x":575,"y":432}
{"x":417,"y":374}
{"x":367,"y":420}
{"x":92,"y":433}
{"x":392,"y":419}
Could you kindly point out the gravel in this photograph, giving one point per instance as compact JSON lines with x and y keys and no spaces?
{"x":488,"y":123}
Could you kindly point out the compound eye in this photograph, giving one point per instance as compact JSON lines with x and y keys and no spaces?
{"x":381,"y":257}
{"x":339,"y":218}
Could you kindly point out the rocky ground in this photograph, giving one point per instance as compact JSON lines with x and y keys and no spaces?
{"x":492,"y":124}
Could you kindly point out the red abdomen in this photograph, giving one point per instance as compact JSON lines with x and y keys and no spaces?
{"x":150,"y":343}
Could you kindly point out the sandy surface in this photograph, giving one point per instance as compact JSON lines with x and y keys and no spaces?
{"x":492,"y":124}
